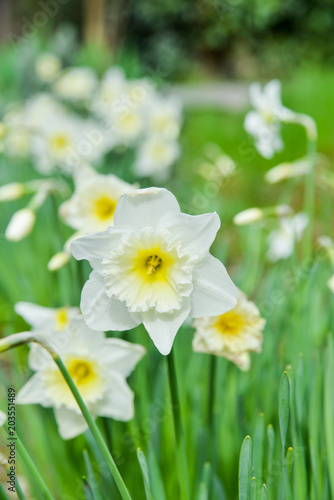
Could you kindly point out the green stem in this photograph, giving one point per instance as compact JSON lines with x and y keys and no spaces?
{"x":211,"y":406}
{"x":31,"y":467}
{"x":310,"y":195}
{"x":95,"y":431}
{"x":179,"y":436}
{"x":312,"y":134}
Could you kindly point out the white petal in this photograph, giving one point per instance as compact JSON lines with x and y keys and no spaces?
{"x":35,"y":315}
{"x":95,"y":247}
{"x":33,"y":392}
{"x":253,"y":123}
{"x":38,"y":357}
{"x":162,"y":328}
{"x":196,"y":233}
{"x":273,"y":92}
{"x":70,"y":423}
{"x":144,"y":207}
{"x":214,"y":292}
{"x":255,"y":95}
{"x":121,"y":356}
{"x":3,"y":418}
{"x":100,"y":311}
{"x":118,"y":401}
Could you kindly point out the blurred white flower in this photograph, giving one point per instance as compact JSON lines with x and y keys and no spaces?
{"x":3,"y":418}
{"x":282,"y":241}
{"x":248,"y":216}
{"x":153,"y":267}
{"x":47,"y":318}
{"x":20,"y":225}
{"x":92,"y":206}
{"x":264,"y":123}
{"x":109,"y":92}
{"x":12,"y":191}
{"x":233,"y":334}
{"x":66,"y":141}
{"x":139,"y":93}
{"x":288,"y":170}
{"x":98,"y":367}
{"x":47,"y":67}
{"x":127,"y":124}
{"x":164,"y":117}
{"x":76,"y":84}
{"x":155,"y":156}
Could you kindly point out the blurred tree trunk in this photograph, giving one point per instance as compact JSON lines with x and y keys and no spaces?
{"x":94,"y":22}
{"x":5,"y":19}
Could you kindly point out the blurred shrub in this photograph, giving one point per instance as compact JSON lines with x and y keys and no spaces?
{"x":173,"y":33}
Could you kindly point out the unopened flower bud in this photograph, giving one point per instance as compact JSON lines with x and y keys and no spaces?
{"x":248,"y":216}
{"x":20,"y":224}
{"x":11,"y":191}
{"x":58,"y":261}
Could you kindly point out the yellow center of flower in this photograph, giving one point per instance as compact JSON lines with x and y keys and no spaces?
{"x":104,"y":207}
{"x":59,"y":142}
{"x":152,"y":264}
{"x":268,"y":116}
{"x":62,"y":319}
{"x":159,"y":152}
{"x":128,"y":121}
{"x":85,"y":375}
{"x":230,"y":323}
{"x":81,"y":371}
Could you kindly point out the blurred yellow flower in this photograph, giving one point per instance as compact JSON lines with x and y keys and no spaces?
{"x":231,"y":335}
{"x":92,"y":206}
{"x":98,"y":367}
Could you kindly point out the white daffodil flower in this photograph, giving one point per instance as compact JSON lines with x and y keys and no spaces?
{"x":164,"y":117}
{"x":92,"y":206}
{"x":155,"y":156}
{"x":110,"y":92}
{"x":47,"y":318}
{"x":47,"y":67}
{"x":98,"y":367}
{"x":282,"y":241}
{"x":38,"y":111}
{"x":153,"y":267}
{"x":264,"y":123}
{"x":232,"y":335}
{"x":3,"y":418}
{"x":139,"y":93}
{"x":76,"y":84}
{"x":127,"y":124}
{"x":66,"y":141}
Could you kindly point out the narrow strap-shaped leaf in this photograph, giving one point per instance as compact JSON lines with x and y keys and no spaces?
{"x":253,"y":487}
{"x":87,"y":490}
{"x":91,"y":478}
{"x":204,"y":486}
{"x":284,"y":411}
{"x":3,"y":494}
{"x":258,"y":448}
{"x":264,"y":492}
{"x":329,"y":411}
{"x":284,"y":406}
{"x":144,"y":470}
{"x":245,"y":468}
{"x":289,"y":459}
